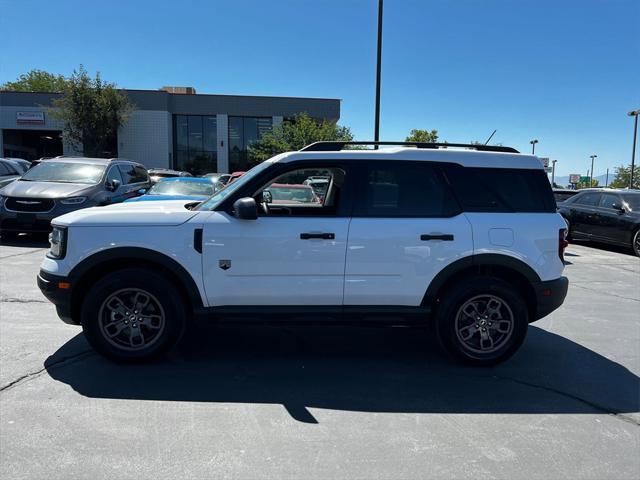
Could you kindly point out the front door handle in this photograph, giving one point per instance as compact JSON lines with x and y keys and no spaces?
{"x":447,"y":237}
{"x":322,"y":236}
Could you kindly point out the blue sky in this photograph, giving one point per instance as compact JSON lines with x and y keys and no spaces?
{"x":564,"y":71}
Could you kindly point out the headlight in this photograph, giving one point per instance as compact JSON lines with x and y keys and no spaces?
{"x":73,"y":200}
{"x":58,"y":241}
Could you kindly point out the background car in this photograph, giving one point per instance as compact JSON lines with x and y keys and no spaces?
{"x":8,"y":172}
{"x":223,"y":178}
{"x":156,"y":174}
{"x":562,"y":194}
{"x":320,"y":184}
{"x":20,"y":164}
{"x":604,"y":215}
{"x":180,"y":188}
{"x":61,"y":185}
{"x":279,"y":193}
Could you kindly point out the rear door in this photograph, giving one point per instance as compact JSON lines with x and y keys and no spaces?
{"x":406,"y":228}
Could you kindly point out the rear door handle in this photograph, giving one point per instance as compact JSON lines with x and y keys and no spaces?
{"x":322,"y":236}
{"x":447,"y":237}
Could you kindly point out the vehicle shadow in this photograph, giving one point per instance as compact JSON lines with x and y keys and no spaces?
{"x":357,"y":369}
{"x":27,"y":241}
{"x":604,"y":246}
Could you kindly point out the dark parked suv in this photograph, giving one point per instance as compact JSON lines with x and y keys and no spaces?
{"x":61,"y":185}
{"x":604,"y":215}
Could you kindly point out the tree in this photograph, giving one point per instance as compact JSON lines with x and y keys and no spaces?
{"x":425,"y":136}
{"x":37,"y":81}
{"x":295,"y":134}
{"x":623,"y":176}
{"x":595,"y":183}
{"x":92,"y":111}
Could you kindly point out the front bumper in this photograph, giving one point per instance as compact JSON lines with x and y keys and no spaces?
{"x":58,"y":290}
{"x":549,"y":296}
{"x":26,"y":221}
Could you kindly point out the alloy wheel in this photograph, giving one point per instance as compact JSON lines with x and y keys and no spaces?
{"x":484,"y":324}
{"x":131,"y":319}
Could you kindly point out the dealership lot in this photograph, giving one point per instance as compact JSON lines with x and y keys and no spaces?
{"x":290,"y":402}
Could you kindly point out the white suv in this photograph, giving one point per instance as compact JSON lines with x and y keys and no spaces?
{"x":464,"y":236}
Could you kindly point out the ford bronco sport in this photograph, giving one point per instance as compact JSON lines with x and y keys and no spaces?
{"x":463,"y":236}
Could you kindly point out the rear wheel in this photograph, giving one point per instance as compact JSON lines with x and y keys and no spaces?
{"x":568,"y":237}
{"x":482,"y":321}
{"x":132,"y":315}
{"x":636,"y":243}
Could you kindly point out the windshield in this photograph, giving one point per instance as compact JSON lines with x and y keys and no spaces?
{"x":204,"y":189}
{"x":65,"y":172}
{"x":633,"y":200}
{"x":214,"y":201}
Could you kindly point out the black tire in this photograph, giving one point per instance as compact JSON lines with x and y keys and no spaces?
{"x":160,"y":323}
{"x":452,"y":324}
{"x":568,"y":237}
{"x":635,"y":243}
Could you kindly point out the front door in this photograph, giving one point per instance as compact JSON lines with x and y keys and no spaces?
{"x":293,"y":254}
{"x":406,"y":228}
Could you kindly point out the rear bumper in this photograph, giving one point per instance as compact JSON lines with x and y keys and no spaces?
{"x":549,"y":296}
{"x":61,"y":297}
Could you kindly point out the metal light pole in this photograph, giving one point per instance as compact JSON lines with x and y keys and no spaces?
{"x":606,"y":181}
{"x":533,"y":146}
{"x":553,"y":172}
{"x":376,"y":134}
{"x":591,"y":177}
{"x":633,"y":152}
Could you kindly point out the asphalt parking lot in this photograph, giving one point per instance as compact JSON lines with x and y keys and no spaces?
{"x":281,"y":403}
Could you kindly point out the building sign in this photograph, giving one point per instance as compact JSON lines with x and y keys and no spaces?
{"x":30,"y":118}
{"x":574,"y":178}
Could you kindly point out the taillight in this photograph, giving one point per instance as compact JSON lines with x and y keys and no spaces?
{"x":562,"y":243}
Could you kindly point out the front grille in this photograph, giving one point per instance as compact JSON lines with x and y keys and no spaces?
{"x":28,"y":204}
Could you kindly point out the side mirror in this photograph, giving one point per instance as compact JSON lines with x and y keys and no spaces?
{"x":245,"y":209}
{"x":267,"y":197}
{"x":113,"y":185}
{"x":618,"y":206}
{"x":142,"y":191}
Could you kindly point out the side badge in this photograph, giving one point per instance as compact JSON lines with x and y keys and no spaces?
{"x":224,"y":264}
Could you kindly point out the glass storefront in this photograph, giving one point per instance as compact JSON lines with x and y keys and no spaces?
{"x":196,"y":140}
{"x":242,"y":132}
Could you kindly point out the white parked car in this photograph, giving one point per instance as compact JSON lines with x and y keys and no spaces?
{"x":465,"y":237}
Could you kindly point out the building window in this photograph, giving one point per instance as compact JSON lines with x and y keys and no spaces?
{"x":242,"y":132}
{"x":196,"y":141}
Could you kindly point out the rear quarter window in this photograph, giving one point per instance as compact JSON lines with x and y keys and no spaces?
{"x":501,"y":189}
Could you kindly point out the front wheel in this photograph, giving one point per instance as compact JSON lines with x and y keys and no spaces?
{"x":132,"y":315}
{"x":636,"y":243}
{"x":482,"y":321}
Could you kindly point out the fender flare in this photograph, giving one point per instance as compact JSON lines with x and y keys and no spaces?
{"x":122,"y":254}
{"x":473,"y":262}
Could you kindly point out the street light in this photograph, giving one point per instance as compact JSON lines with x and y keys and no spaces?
{"x":633,"y":151}
{"x":533,"y":146}
{"x":553,"y":171}
{"x":593,"y":157}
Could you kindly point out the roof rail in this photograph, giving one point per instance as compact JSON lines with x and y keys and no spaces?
{"x":337,"y":146}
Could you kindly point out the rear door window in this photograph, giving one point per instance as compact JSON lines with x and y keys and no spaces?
{"x":133,"y":173}
{"x":141,"y":174}
{"x":404,"y":189}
